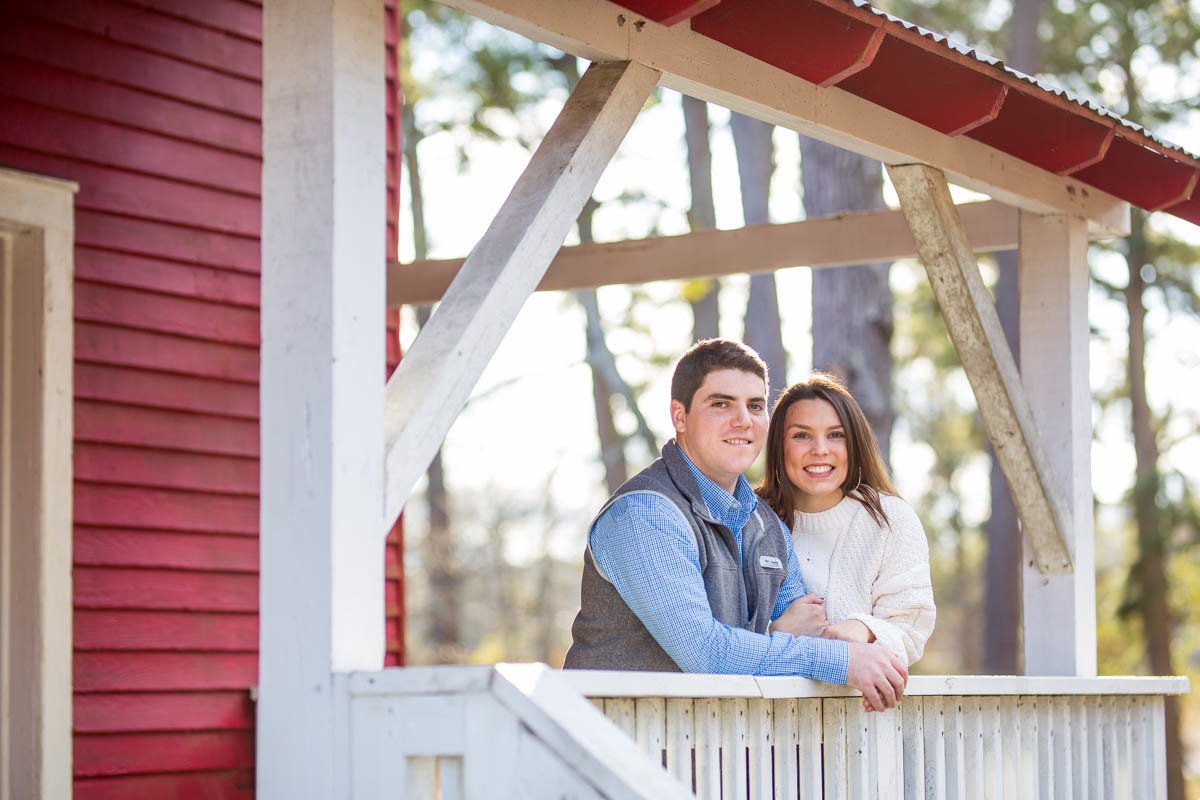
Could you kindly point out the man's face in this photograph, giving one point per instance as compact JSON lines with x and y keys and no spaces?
{"x":726,"y":427}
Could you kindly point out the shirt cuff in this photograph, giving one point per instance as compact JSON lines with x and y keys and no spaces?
{"x":830,"y":660}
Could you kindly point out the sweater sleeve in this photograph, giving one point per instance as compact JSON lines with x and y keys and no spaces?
{"x":902,"y":610}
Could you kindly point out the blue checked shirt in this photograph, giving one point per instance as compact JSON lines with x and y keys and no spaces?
{"x":643,"y":544}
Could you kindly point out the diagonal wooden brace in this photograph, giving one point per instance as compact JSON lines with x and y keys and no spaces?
{"x":430,"y":387}
{"x":971,"y":320}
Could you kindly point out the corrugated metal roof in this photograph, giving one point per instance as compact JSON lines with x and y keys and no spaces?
{"x":951,"y":87}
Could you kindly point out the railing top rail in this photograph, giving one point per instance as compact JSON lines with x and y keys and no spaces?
{"x":600,"y":683}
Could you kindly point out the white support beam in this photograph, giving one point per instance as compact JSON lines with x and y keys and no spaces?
{"x":974,"y":327}
{"x":823,"y":242}
{"x":323,"y":319}
{"x":433,"y":381}
{"x":1059,"y":610}
{"x":703,"y":68}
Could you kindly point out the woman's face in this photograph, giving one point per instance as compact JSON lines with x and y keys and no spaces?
{"x":815,"y":454}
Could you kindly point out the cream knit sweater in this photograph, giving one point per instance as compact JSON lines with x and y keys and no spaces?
{"x":875,"y":575}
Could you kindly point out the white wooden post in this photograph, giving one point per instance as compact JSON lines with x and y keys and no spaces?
{"x":323,"y":283}
{"x":432,"y":383}
{"x":1059,"y":610}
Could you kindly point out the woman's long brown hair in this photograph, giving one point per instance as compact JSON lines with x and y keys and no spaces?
{"x":866,"y":475}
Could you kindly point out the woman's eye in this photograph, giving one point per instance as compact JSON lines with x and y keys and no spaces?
{"x":837,"y":435}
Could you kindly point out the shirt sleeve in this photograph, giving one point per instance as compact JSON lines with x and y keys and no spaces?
{"x":793,"y":582}
{"x":645,"y":548}
{"x":902,"y":610}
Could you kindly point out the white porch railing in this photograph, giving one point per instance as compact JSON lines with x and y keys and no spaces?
{"x":952,"y":736}
{"x":527,"y":731}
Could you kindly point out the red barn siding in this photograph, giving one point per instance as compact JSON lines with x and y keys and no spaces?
{"x":154,"y":108}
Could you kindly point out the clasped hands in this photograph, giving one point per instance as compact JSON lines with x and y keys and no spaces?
{"x":874,"y":670}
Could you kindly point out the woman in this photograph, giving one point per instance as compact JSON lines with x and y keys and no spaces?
{"x":860,"y":546}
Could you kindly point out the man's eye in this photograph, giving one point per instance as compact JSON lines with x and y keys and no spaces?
{"x":720,"y":404}
{"x":757,"y":407}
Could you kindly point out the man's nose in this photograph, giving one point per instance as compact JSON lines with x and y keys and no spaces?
{"x":742,"y":417}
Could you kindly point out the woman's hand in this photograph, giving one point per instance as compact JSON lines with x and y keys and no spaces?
{"x":804,"y":617}
{"x":849,"y":630}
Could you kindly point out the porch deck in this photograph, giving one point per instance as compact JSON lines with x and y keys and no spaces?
{"x":527,"y":730}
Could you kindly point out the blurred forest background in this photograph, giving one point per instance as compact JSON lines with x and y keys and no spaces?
{"x":576,"y":399}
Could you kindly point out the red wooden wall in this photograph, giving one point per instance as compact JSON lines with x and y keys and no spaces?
{"x":154,"y":108}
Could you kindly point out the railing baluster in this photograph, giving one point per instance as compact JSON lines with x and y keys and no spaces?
{"x":912,"y":714}
{"x":733,"y":749}
{"x":786,"y":757}
{"x":681,"y":735}
{"x":834,"y":737}
{"x":810,"y":734}
{"x":993,"y":749}
{"x":1159,"y":745}
{"x":1121,"y":725}
{"x":1046,"y":766}
{"x":889,"y":755}
{"x":1060,"y":711}
{"x":1081,"y":764}
{"x":1031,"y":756}
{"x":1012,"y":768}
{"x":859,"y":751}
{"x":621,"y":711}
{"x":956,"y":779}
{"x":972,"y":733}
{"x":758,"y":742}
{"x":1141,"y":751}
{"x":935,"y":748}
{"x":708,"y":748}
{"x":1095,"y":745}
{"x":1111,"y":771}
{"x":650,"y":724}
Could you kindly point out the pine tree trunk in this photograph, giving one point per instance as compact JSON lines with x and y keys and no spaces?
{"x":444,"y":575}
{"x":752,"y":141}
{"x":702,"y":216}
{"x":1150,"y":571}
{"x":852,"y":306}
{"x":1002,"y":598}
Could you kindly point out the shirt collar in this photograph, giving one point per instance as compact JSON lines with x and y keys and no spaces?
{"x":721,"y":504}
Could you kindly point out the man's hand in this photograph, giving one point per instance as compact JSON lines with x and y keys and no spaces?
{"x":878,"y":673}
{"x":804,"y":617}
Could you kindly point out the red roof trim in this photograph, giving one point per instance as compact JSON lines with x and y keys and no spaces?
{"x":1144,"y":176}
{"x":808,"y":40}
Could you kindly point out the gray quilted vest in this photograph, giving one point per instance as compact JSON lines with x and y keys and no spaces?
{"x":607,"y":635}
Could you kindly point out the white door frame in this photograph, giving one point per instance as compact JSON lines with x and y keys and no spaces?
{"x":37,"y":233}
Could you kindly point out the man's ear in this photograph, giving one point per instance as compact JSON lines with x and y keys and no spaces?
{"x":678,"y":415}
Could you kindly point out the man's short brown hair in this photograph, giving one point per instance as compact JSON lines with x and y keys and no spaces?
{"x":710,"y":355}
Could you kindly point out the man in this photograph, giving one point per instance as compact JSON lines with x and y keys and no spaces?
{"x":685,"y":570}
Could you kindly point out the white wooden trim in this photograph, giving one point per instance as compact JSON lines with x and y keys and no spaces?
{"x":433,"y":381}
{"x":1060,"y":610}
{"x":322,"y":356}
{"x":603,"y":683}
{"x":974,"y":327}
{"x":37,"y":236}
{"x":822,"y":242}
{"x":703,"y":68}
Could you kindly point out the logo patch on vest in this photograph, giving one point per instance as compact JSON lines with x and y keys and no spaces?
{"x":770,"y":562}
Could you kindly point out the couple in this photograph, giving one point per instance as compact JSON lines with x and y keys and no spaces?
{"x":688,"y":569}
